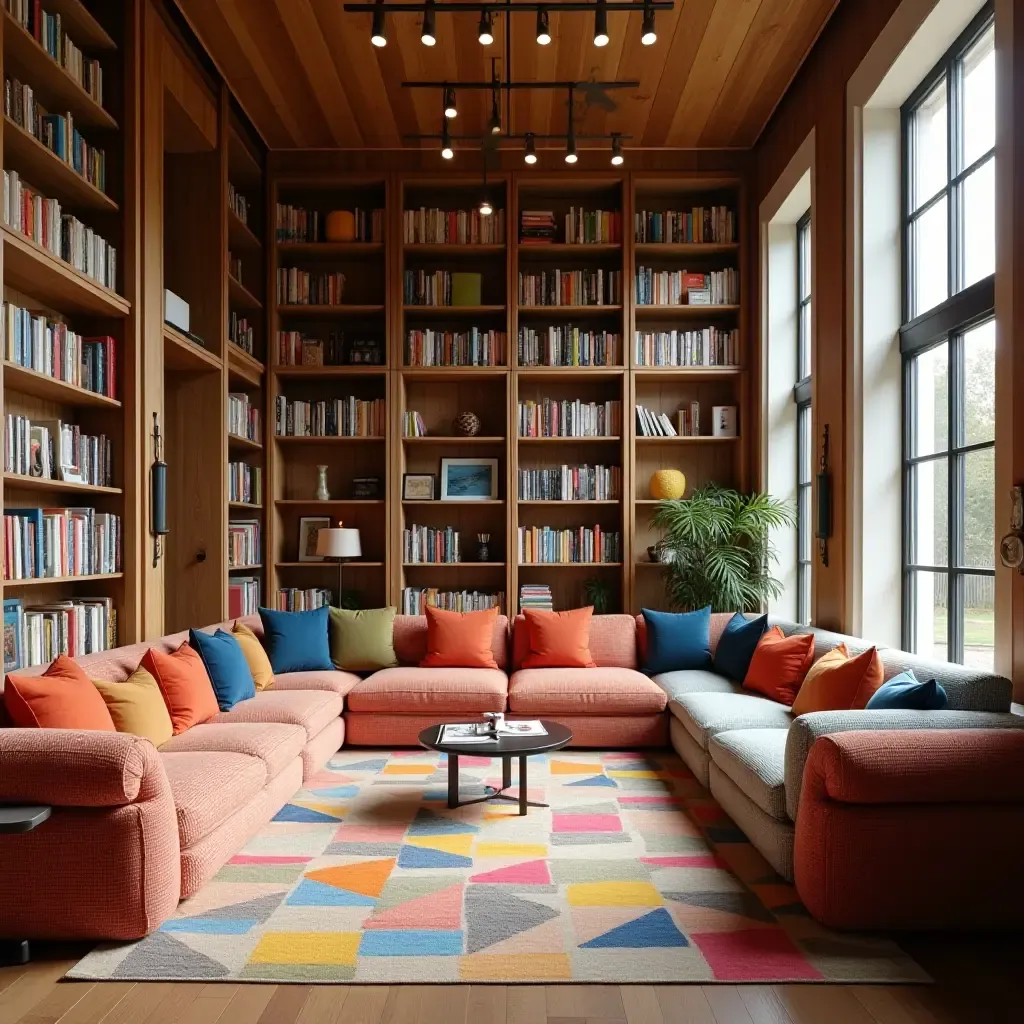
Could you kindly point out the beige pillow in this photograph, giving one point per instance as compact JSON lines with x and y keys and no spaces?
{"x":255,"y":655}
{"x":137,"y":706}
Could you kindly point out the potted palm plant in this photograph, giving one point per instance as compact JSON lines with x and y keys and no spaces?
{"x":720,"y":549}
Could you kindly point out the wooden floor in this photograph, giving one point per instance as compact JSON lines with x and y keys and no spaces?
{"x":979,"y":980}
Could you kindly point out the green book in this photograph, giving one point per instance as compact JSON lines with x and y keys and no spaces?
{"x":466,"y":289}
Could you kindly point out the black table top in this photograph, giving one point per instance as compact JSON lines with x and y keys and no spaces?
{"x":21,"y":819}
{"x":558,"y":736}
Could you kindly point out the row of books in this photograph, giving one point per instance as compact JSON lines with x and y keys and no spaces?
{"x":699,"y":224}
{"x":570,"y":483}
{"x":416,"y":599}
{"x":37,"y":634}
{"x":440,"y":288}
{"x":48,"y":31}
{"x":297,"y":287}
{"x":475,"y":347}
{"x":238,"y":203}
{"x":413,"y":424}
{"x":47,"y":346}
{"x":657,"y":424}
{"x":546,"y":544}
{"x":243,"y":543}
{"x":708,"y":346}
{"x":423,"y":544}
{"x":292,"y":599}
{"x":234,"y":266}
{"x":46,"y":543}
{"x":587,"y":227}
{"x":598,"y":287}
{"x":243,"y":596}
{"x":680,"y":287}
{"x":57,"y":132}
{"x":337,"y":417}
{"x":245,"y":483}
{"x":569,"y":346}
{"x":244,"y":417}
{"x":242,"y":333}
{"x":49,"y":449}
{"x":62,"y":234}
{"x":536,"y":596}
{"x":552,"y":417}
{"x":297,"y":349}
{"x":431,"y":226}
{"x":299,"y":224}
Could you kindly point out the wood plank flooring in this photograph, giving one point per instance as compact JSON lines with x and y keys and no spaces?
{"x":977,"y":982}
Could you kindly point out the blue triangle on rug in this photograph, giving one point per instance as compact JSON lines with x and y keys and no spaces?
{"x":595,"y":780}
{"x":310,"y":893}
{"x":420,"y":857}
{"x":293,"y":812}
{"x":427,"y":823}
{"x":656,"y":929}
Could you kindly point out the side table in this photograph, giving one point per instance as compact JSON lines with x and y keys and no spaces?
{"x":15,"y":820}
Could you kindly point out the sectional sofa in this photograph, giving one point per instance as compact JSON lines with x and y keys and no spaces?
{"x":134,"y":829}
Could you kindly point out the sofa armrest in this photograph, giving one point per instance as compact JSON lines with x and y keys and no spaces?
{"x":72,"y":768}
{"x":807,"y":729}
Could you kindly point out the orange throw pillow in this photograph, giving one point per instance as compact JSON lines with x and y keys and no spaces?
{"x":459,"y":639}
{"x":185,"y":685}
{"x":837,"y":682}
{"x":559,"y":639}
{"x":63,"y":697}
{"x":779,"y":665}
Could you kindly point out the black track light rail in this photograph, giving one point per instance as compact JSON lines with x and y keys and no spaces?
{"x":552,"y":7}
{"x":519,"y":136}
{"x":508,"y":86}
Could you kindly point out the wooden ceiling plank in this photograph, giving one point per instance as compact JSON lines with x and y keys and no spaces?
{"x":620,"y":25}
{"x":465,"y":60}
{"x":575,"y":52}
{"x":409,"y":57}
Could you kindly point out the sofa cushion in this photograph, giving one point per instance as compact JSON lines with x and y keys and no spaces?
{"x":584,"y":691}
{"x":737,"y":644}
{"x":704,"y":714}
{"x":63,"y":697}
{"x":185,"y":685}
{"x":362,"y":640}
{"x":612,"y":641}
{"x":411,"y":639}
{"x":137,"y":706}
{"x":559,"y":639}
{"x":333,"y":681}
{"x":459,"y":639}
{"x":296,"y":641}
{"x":755,"y":759}
{"x":312,"y":709}
{"x":208,"y":788}
{"x":255,"y":656}
{"x":412,"y":690}
{"x":276,"y":746}
{"x":675,"y":684}
{"x":226,"y":665}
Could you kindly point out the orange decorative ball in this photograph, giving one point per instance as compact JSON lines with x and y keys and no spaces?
{"x":341,"y":226}
{"x":668,"y":484}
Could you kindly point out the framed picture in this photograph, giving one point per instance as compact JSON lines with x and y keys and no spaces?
{"x":419,"y":487}
{"x":309,"y":527}
{"x":13,"y":622}
{"x":469,"y":479}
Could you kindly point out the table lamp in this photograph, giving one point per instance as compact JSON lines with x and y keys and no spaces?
{"x":338,"y":544}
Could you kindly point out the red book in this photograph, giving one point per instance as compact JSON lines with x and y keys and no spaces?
{"x":694,"y":281}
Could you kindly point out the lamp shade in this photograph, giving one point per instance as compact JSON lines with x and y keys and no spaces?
{"x":338,"y":542}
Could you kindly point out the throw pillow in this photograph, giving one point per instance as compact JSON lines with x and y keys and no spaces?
{"x":459,"y":639}
{"x":677,"y":641}
{"x":779,"y":665}
{"x":297,"y":641}
{"x":906,"y":693}
{"x":137,"y":706}
{"x":63,"y":697}
{"x":363,"y":640}
{"x":226,"y":666}
{"x":186,"y":688}
{"x":737,"y":644}
{"x":255,"y":655}
{"x":837,"y":682}
{"x":559,"y":639}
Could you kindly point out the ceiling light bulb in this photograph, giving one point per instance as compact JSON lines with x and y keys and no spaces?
{"x":531,"y":149}
{"x":647,"y":34}
{"x":495,"y":122}
{"x":446,"y":143}
{"x":450,"y":110}
{"x":601,"y":24}
{"x":543,"y":34}
{"x":428,"y":37}
{"x":617,"y":157}
{"x":379,"y":34}
{"x":486,"y":35}
{"x":485,"y":208}
{"x":570,"y":148}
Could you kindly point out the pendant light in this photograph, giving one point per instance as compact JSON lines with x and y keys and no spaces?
{"x":617,"y":157}
{"x":428,"y":37}
{"x":647,"y":34}
{"x":446,"y":143}
{"x":379,"y":32}
{"x":530,"y":156}
{"x":450,"y":110}
{"x":543,"y":34}
{"x":601,"y":24}
{"x":486,"y":33}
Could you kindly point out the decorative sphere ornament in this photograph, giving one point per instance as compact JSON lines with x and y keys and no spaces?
{"x":467,"y":424}
{"x":340,"y":226}
{"x":668,"y":484}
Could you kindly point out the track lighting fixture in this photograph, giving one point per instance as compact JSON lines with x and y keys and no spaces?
{"x":446,"y":143}
{"x":530,"y":156}
{"x":485,"y":207}
{"x":543,"y":35}
{"x":486,"y":35}
{"x":450,"y":110}
{"x":428,"y":37}
{"x":601,"y":24}
{"x":495,"y":122}
{"x":379,"y":33}
{"x":570,"y":146}
{"x":617,"y":157}
{"x":647,"y":34}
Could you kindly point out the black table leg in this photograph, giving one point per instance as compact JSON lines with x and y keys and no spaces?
{"x":453,"y":780}
{"x":506,"y":772}
{"x":523,"y":802}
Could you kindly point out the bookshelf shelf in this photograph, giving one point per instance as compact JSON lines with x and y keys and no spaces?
{"x":570,"y":249}
{"x":289,"y":439}
{"x":313,"y":312}
{"x":243,"y":366}
{"x":29,"y":382}
{"x":682,"y":249}
{"x":696,"y":372}
{"x":683,"y":312}
{"x":79,"y":23}
{"x":450,"y":249}
{"x":453,"y":565}
{"x":702,"y":439}
{"x":451,"y":311}
{"x":329,"y":565}
{"x":241,"y":297}
{"x":453,"y":439}
{"x":558,"y":372}
{"x":18,"y":481}
{"x":564,"y":311}
{"x":43,"y":580}
{"x":284,"y":372}
{"x":560,"y":503}
{"x":445,"y":502}
{"x":245,"y":504}
{"x":185,"y":356}
{"x":329,"y":250}
{"x":317,"y":503}
{"x":446,"y":373}
{"x":569,"y":440}
{"x":245,"y":568}
{"x":243,"y":443}
{"x":240,"y":236}
{"x":570,"y":565}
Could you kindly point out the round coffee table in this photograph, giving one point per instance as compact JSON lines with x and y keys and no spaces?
{"x":505,"y":747}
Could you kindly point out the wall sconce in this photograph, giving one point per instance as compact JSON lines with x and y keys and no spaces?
{"x":824,"y":485}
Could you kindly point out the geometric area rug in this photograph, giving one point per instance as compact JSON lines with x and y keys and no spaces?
{"x":634,"y":874}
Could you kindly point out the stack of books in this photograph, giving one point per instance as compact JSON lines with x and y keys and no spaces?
{"x":243,"y":417}
{"x":37,"y":634}
{"x":336,"y":417}
{"x":430,"y":544}
{"x":49,"y":543}
{"x":54,"y":450}
{"x":441,"y":288}
{"x":291,"y":599}
{"x":243,"y":596}
{"x":415,"y":599}
{"x":243,"y":543}
{"x":536,"y":596}
{"x":537,"y":227}
{"x":238,"y":203}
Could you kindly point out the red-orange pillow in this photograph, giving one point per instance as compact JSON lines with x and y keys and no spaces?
{"x":459,"y":639}
{"x":837,"y":682}
{"x":559,"y":639}
{"x":63,"y":697}
{"x":185,"y":685}
{"x":779,"y":665}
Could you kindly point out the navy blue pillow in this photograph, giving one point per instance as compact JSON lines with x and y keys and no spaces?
{"x":225,"y":665}
{"x":737,"y":645}
{"x":905,"y":693}
{"x":297,"y":641}
{"x":677,"y":641}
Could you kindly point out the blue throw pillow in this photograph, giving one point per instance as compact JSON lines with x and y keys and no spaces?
{"x":297,"y":641}
{"x":677,"y":641}
{"x":225,"y":665}
{"x":737,"y":645}
{"x":905,"y":693}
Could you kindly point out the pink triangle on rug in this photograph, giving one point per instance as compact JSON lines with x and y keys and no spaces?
{"x":530,"y":872}
{"x":439,"y":910}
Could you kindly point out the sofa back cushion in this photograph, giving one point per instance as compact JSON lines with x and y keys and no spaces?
{"x":612,"y":641}
{"x":62,"y":697}
{"x":186,"y":688}
{"x":137,"y":706}
{"x":255,"y":654}
{"x":459,"y":639}
{"x":410,"y":639}
{"x":297,"y":641}
{"x":559,"y":639}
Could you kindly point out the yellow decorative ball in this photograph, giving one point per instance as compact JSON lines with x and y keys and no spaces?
{"x":668,"y":483}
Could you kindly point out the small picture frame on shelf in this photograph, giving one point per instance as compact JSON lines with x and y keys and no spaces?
{"x":419,"y":487}
{"x":12,"y":634}
{"x":469,"y":479}
{"x":366,"y":487}
{"x":309,"y":527}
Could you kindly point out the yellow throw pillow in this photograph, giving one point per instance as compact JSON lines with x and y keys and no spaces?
{"x":137,"y":706}
{"x":255,"y":655}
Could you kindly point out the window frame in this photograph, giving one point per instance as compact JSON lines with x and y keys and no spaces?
{"x":802,"y":398}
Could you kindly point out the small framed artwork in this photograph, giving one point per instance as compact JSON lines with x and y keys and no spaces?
{"x":419,"y":487}
{"x":469,"y":479}
{"x":309,"y":527}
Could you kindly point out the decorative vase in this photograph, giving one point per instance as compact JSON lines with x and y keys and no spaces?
{"x":467,"y":424}
{"x":340,"y":226}
{"x":483,"y":547}
{"x":322,"y":493}
{"x":668,"y":484}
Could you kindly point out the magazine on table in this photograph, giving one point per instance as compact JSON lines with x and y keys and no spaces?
{"x":483,"y":732}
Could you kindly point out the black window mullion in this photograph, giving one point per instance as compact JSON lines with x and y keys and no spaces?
{"x":954,"y":494}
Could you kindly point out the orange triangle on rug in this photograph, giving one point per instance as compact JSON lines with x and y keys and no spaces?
{"x":530,"y":872}
{"x":440,"y":910}
{"x":366,"y":878}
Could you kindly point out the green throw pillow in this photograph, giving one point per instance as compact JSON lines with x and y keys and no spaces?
{"x":363,"y":641}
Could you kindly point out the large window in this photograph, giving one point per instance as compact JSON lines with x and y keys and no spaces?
{"x":948,"y":345}
{"x":802,"y":397}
